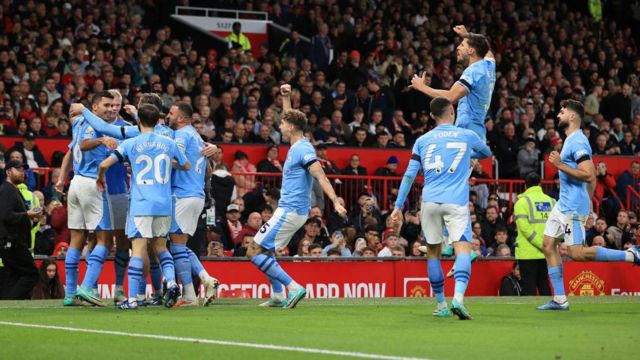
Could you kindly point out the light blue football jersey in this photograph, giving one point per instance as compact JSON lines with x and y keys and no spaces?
{"x":445,"y":155}
{"x":479,"y":79}
{"x":86,"y":163}
{"x":574,"y":197}
{"x":116,"y":176}
{"x":120,"y":131}
{"x":74,"y":145}
{"x":190,"y":183}
{"x":296,"y":179}
{"x":150,"y":157}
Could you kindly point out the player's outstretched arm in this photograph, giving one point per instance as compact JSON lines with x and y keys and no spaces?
{"x":316,"y":171}
{"x":454,"y":94}
{"x":285,"y":91}
{"x":115,"y":131}
{"x":64,"y":171}
{"x":479,"y":148}
{"x":585,"y":171}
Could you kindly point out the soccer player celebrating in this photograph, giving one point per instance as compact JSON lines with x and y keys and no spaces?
{"x":567,"y":219}
{"x":150,"y":156}
{"x":89,"y":210}
{"x":444,"y":154}
{"x":188,"y":202}
{"x":300,"y":168}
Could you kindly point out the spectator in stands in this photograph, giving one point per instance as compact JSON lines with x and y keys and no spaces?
{"x":354,"y":169}
{"x":490,"y":225}
{"x":254,"y":222}
{"x":63,"y":129}
{"x":335,"y":221}
{"x":629,"y":146}
{"x":501,"y":237}
{"x":303,"y":248}
{"x":502,"y":250}
{"x":48,"y":285}
{"x":391,"y":241}
{"x":411,"y":229}
{"x":359,"y":138}
{"x":328,"y":166}
{"x":511,"y":284}
{"x":599,"y":241}
{"x":241,"y":165}
{"x":271,"y":164}
{"x":315,"y":250}
{"x":338,"y":243}
{"x":241,"y":249}
{"x":368,"y":252}
{"x":230,"y":228}
{"x":630,"y":177}
{"x":321,"y":47}
{"x":310,"y":232}
{"x":604,"y":194}
{"x":507,"y":152}
{"x":529,"y":158}
{"x":29,"y":175}
{"x":215,"y":249}
{"x":599,"y":229}
{"x":30,"y":151}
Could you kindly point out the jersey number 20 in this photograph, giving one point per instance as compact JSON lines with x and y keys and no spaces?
{"x":437,"y":164}
{"x":159,"y":163}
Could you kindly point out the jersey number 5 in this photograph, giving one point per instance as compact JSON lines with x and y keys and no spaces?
{"x":437,"y":164}
{"x":159,"y":163}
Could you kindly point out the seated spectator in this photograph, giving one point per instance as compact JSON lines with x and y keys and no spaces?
{"x":398,"y":251}
{"x":230,"y":228}
{"x":241,"y":165}
{"x":500,"y":238}
{"x":30,"y":151}
{"x":630,"y":177}
{"x":503,"y":250}
{"x":325,"y":131}
{"x":628,"y":145}
{"x":366,"y":209}
{"x":328,"y":166}
{"x":215,"y":249}
{"x":411,"y":229}
{"x":241,"y":248}
{"x":478,"y":248}
{"x":414,"y":249}
{"x":254,"y":222}
{"x":529,"y":158}
{"x":507,"y":152}
{"x":338,"y":243}
{"x":271,"y":164}
{"x":511,"y":284}
{"x":391,"y":241}
{"x":358,"y":245}
{"x":359,"y":138}
{"x":223,"y":188}
{"x":303,"y":248}
{"x":490,"y":224}
{"x":334,"y":253}
{"x":35,"y":126}
{"x":60,"y":251}
{"x":315,"y":250}
{"x":368,"y":252}
{"x":599,"y":240}
{"x":382,"y":140}
{"x":390,"y":169}
{"x":48,"y":285}
{"x":372,"y":236}
{"x":310,"y":232}
{"x":266,"y":213}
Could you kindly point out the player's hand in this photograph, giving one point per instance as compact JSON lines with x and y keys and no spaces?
{"x":209,"y":150}
{"x":111,"y":143}
{"x":339,"y":209}
{"x":100,"y":184}
{"x":75,"y":110}
{"x":285,"y":90}
{"x":554,"y":158}
{"x":396,"y":218}
{"x":461,"y":30}
{"x":59,"y":186}
{"x":131,"y":110}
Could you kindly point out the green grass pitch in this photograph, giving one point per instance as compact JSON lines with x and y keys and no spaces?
{"x":503,"y":328}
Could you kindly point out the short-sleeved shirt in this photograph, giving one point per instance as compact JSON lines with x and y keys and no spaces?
{"x":190,"y":183}
{"x":150,"y":157}
{"x":479,"y":79}
{"x":574,"y":197}
{"x":445,"y":156}
{"x":296,"y":179}
{"x":86,"y":163}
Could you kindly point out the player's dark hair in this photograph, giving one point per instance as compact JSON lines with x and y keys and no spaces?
{"x":99,"y":96}
{"x":479,"y":43}
{"x":151,"y":98}
{"x":532,"y":179}
{"x":185,"y":109}
{"x":439,"y":106}
{"x":573,"y":105}
{"x":148,"y":115}
{"x":296,"y":118}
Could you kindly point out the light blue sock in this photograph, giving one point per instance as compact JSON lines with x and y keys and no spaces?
{"x":557,"y":280}
{"x":166,"y":264}
{"x":71,"y":271}
{"x":156,"y":276}
{"x":270,"y":267}
{"x":142,"y":286}
{"x":604,"y":254}
{"x":96,"y":260}
{"x":182,"y":263}
{"x":134,"y":275}
{"x":436,"y":278}
{"x":120,"y":263}
{"x":196,"y":265}
{"x":462,"y":275}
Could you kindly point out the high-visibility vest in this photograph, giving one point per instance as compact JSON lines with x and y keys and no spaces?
{"x":595,"y":8}
{"x":32,"y":202}
{"x":531,"y":212}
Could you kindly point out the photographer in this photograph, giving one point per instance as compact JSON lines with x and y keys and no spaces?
{"x":15,"y":236}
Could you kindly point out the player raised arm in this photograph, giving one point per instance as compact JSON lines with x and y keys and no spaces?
{"x":316,"y":171}
{"x":115,"y":131}
{"x":461,"y":30}
{"x":285,"y":90}
{"x":421,"y":83}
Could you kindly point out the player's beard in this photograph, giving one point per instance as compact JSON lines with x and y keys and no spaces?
{"x":563,"y":125}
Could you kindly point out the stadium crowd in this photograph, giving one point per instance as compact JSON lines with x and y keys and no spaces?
{"x":352,"y":81}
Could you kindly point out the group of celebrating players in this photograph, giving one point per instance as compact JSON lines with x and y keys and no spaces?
{"x":169,"y":166}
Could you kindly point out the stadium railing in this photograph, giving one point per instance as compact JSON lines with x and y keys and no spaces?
{"x":350,"y":187}
{"x":633,"y":199}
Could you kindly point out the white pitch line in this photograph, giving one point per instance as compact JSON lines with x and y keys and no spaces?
{"x":215,"y":342}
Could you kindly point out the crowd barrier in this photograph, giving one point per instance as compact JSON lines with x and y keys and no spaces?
{"x":359,"y":278}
